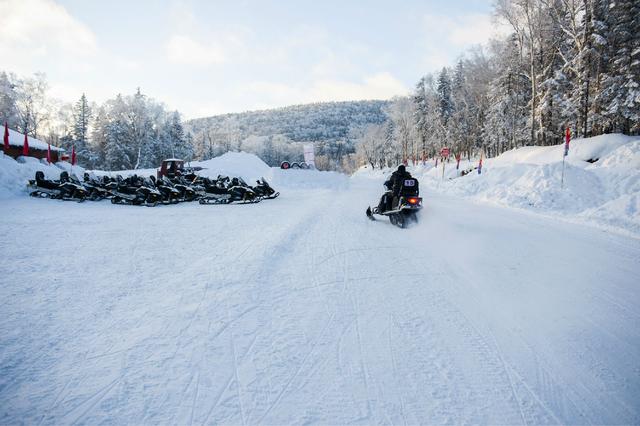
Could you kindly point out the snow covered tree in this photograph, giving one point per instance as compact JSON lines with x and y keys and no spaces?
{"x":621,"y":81}
{"x":174,"y":140}
{"x":445,"y":102}
{"x":80,"y":132}
{"x":31,"y":104}
{"x":8,"y":99}
{"x":81,"y":117}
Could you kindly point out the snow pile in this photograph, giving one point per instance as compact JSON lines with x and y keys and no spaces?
{"x":601,"y":180}
{"x":14,"y":175}
{"x":250,"y":167}
{"x":247,"y":166}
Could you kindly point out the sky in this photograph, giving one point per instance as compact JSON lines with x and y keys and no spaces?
{"x":212,"y":57}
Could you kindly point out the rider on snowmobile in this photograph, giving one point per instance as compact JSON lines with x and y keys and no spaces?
{"x":393,"y":185}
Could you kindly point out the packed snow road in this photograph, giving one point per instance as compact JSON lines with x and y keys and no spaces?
{"x":300,"y":310}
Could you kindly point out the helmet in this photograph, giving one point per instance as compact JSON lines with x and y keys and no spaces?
{"x":402,"y":168}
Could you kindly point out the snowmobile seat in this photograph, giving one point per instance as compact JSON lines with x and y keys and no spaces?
{"x":44,"y":183}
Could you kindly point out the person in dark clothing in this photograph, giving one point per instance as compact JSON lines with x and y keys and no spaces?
{"x":393,"y":185}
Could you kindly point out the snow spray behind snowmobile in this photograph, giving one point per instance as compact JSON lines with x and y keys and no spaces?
{"x":405,"y":204}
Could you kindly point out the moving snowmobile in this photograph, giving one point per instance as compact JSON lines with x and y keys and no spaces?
{"x":64,"y":189}
{"x":264,"y":190}
{"x":401,"y":202}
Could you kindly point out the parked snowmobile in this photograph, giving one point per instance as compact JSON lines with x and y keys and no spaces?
{"x":216,"y":191}
{"x":240,"y":191}
{"x":96,"y":189}
{"x":405,"y":204}
{"x":134,"y":190}
{"x":63,"y":189}
{"x":170,"y":195}
{"x":187,"y":192}
{"x":264,"y":190}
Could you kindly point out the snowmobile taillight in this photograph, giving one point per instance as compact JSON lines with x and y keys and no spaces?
{"x":413,"y":200}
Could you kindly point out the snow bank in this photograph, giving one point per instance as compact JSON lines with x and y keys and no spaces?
{"x":15,"y":174}
{"x":601,"y":181}
{"x":247,"y":166}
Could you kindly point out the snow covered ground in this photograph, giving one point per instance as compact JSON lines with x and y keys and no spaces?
{"x":300,"y":310}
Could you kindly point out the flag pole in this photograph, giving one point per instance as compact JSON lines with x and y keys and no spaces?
{"x":567,"y":139}
{"x":562,"y":178}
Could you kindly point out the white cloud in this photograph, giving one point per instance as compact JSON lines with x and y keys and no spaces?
{"x":378,"y":86}
{"x":462,"y":30}
{"x":274,"y":94}
{"x":41,"y":30}
{"x":184,"y":50}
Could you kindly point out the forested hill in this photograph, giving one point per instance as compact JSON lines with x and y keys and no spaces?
{"x":326,"y":122}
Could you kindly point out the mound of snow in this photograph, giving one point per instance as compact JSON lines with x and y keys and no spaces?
{"x":15,"y":174}
{"x":247,"y":166}
{"x":250,"y":168}
{"x":601,"y":181}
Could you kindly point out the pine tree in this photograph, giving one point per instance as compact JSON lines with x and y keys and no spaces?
{"x":80,"y":130}
{"x":445,"y":103}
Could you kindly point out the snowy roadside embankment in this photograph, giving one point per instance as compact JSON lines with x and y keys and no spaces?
{"x":14,"y":175}
{"x":601,"y":180}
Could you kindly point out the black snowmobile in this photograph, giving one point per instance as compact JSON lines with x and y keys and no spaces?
{"x":264,"y":190}
{"x":64,"y":189}
{"x":135,"y":191}
{"x":187,"y":191}
{"x":215,"y":191}
{"x":241,"y":192}
{"x":95,"y":187}
{"x":170,"y":195}
{"x":404,"y":204}
{"x":224,"y":191}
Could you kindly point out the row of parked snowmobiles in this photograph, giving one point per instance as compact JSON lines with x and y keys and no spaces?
{"x":151,"y":191}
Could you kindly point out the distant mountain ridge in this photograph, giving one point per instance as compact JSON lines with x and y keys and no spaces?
{"x":316,"y":122}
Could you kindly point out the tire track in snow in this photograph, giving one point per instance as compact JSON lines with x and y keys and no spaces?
{"x":297,"y":371}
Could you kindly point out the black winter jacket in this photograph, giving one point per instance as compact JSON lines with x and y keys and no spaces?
{"x":395,"y":181}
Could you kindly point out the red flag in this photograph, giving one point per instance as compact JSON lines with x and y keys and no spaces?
{"x":49,"y":153}
{"x":6,"y":137}
{"x":25,"y":147}
{"x":73,"y":155}
{"x":567,"y":139}
{"x":480,"y":163}
{"x":458,"y":157}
